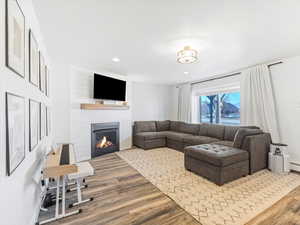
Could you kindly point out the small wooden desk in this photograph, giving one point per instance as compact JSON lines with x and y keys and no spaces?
{"x":60,"y":163}
{"x":57,"y":163}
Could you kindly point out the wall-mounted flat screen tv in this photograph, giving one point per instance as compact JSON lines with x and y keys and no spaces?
{"x":108,"y":88}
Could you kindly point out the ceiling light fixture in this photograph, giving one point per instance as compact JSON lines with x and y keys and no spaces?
{"x":186,"y":73}
{"x":187,"y":55}
{"x":115,"y":59}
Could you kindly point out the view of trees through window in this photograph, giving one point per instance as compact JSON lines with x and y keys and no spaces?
{"x":223,"y":108}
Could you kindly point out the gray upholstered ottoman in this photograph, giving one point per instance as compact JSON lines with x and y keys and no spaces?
{"x":218,"y":163}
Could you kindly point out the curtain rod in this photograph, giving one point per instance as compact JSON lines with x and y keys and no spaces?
{"x":230,"y":75}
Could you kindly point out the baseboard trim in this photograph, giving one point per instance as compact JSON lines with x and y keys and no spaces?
{"x":36,"y":213}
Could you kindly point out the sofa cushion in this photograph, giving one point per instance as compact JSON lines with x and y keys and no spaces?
{"x":176,"y":136}
{"x":151,"y":135}
{"x":189,"y":128}
{"x":174,"y":126}
{"x":217,"y":155}
{"x":145,"y":126}
{"x":230,"y":131}
{"x":242,"y":133}
{"x":212,"y":130}
{"x":225,"y":143}
{"x":163,"y":125}
{"x":198,"y":140}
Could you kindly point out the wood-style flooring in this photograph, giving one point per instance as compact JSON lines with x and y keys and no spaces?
{"x":122,"y":196}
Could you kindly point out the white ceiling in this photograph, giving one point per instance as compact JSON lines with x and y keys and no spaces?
{"x":145,"y":35}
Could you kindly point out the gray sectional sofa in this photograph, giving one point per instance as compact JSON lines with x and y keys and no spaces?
{"x":217,"y":152}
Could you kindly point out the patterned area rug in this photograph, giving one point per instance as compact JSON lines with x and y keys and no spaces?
{"x":235,"y":203}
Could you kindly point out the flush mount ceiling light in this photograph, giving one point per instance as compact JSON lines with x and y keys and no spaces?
{"x":187,"y":55}
{"x":115,"y":59}
{"x":186,"y":73}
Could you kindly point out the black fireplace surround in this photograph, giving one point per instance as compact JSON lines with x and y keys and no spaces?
{"x":105,"y":138}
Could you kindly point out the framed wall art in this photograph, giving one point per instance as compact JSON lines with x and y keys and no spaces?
{"x":48,"y":121}
{"x":34,"y":60}
{"x":42,"y":73}
{"x":47,"y":82}
{"x":43,"y":120}
{"x":15,"y":38}
{"x":15,"y":131}
{"x":34,"y":123}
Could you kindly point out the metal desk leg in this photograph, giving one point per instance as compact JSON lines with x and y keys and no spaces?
{"x":64,"y":196}
{"x":63,"y":214}
{"x":57,"y":198}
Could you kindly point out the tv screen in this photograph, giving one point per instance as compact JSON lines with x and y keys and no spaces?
{"x":108,"y":88}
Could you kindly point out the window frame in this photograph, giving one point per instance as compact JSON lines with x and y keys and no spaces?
{"x":209,"y":93}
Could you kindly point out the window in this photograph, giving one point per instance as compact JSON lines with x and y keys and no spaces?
{"x":222,"y":108}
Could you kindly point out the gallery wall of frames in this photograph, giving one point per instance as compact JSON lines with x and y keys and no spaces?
{"x":27,"y":62}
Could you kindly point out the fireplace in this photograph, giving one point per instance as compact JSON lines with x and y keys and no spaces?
{"x":105,"y":138}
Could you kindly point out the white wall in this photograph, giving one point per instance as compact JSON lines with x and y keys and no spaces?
{"x":61,"y":102}
{"x":174,"y":103}
{"x":19,"y":194}
{"x":152,"y":102}
{"x":286,"y":82}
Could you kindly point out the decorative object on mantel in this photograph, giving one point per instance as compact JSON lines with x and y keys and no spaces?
{"x":187,"y":55}
{"x":99,"y":106}
{"x":15,"y":38}
{"x":119,"y":103}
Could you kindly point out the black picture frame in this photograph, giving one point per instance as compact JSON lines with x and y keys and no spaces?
{"x":40,"y":118}
{"x":31,"y":148}
{"x":43,"y":109}
{"x":48,"y":121}
{"x":47,"y":82}
{"x":31,"y":39}
{"x":7,"y":39}
{"x":10,"y":170}
{"x":47,"y":132}
{"x":42,"y":73}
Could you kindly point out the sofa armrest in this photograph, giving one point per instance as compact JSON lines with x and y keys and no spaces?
{"x":258,"y":147}
{"x":242,"y":133}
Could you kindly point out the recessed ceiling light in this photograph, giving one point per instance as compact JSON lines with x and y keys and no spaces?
{"x":115,"y":59}
{"x":186,"y":73}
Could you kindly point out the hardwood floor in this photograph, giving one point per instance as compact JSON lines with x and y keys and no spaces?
{"x":284,"y":212}
{"x":123,"y":196}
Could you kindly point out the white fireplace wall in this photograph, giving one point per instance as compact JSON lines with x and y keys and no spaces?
{"x":81,"y":83}
{"x":74,"y":85}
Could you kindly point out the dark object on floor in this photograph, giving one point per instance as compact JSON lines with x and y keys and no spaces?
{"x":49,"y":200}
